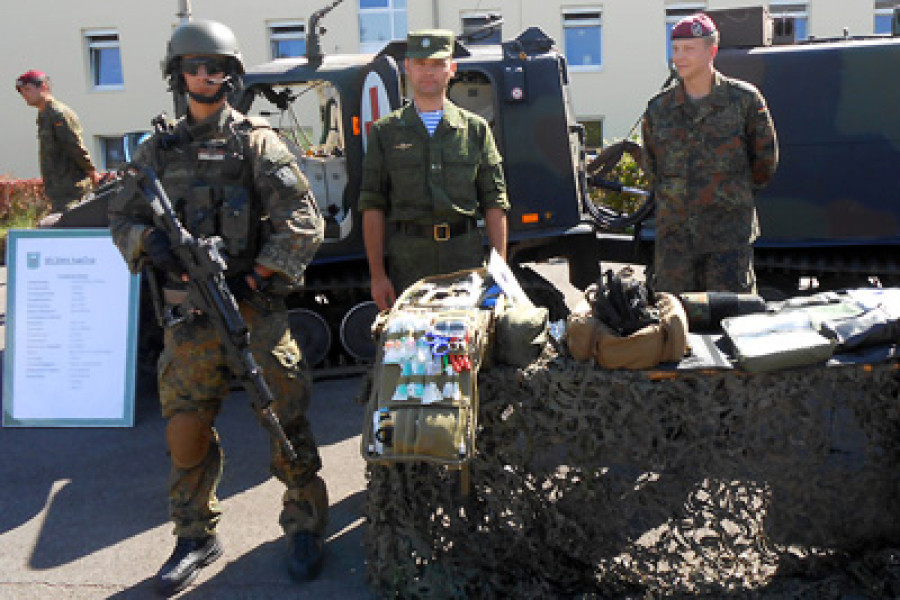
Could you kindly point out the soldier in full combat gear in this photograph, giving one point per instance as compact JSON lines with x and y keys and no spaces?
{"x":230,"y":176}
{"x":709,"y":144}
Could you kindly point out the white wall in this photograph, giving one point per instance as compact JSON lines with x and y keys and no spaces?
{"x":48,"y":35}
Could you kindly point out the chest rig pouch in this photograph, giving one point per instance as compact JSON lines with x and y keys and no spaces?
{"x":211,"y":185}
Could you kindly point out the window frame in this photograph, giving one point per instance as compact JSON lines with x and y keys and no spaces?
{"x":94,"y":44}
{"x":103,"y":143}
{"x":393,"y":9}
{"x":277,"y":31}
{"x":583,"y":12}
{"x":790,"y":8}
{"x":883,"y":8}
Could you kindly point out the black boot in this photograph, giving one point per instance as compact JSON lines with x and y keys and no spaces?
{"x":189,"y":556}
{"x":306,"y":555}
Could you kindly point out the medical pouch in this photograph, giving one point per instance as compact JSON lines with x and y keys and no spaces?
{"x":423,"y":402}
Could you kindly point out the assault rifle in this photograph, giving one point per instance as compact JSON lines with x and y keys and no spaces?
{"x":208,"y":293}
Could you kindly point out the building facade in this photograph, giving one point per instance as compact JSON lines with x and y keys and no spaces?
{"x":103,"y":56}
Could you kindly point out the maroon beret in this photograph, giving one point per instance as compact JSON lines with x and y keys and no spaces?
{"x":693,"y":26}
{"x":32,"y":76}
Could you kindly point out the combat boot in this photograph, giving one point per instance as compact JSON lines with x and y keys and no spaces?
{"x":304,"y":518}
{"x":189,"y":556}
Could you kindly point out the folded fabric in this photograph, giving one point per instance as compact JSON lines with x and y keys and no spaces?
{"x":772,"y":341}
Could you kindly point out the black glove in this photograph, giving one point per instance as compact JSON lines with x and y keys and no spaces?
{"x":239,"y":287}
{"x":157,"y":247}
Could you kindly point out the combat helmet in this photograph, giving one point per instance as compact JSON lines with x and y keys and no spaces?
{"x":202,"y":37}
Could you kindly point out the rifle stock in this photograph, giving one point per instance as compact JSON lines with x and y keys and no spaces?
{"x":209,"y":293}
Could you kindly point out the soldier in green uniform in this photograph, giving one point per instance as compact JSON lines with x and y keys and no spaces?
{"x":231,"y":176}
{"x":709,"y":144}
{"x":431,"y":171}
{"x":66,"y":166}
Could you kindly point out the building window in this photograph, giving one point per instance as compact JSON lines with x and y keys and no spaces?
{"x":675,"y":13}
{"x":287,"y":39}
{"x":791,"y":19}
{"x":488,"y":35}
{"x":112,"y":151}
{"x":884,"y":15}
{"x":381,"y":21}
{"x":582,"y":37}
{"x":105,"y":59}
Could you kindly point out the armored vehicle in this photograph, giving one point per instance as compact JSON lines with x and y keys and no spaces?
{"x":831,"y":215}
{"x":323,"y":105}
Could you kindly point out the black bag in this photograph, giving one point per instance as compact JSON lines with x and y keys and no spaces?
{"x":623,"y":303}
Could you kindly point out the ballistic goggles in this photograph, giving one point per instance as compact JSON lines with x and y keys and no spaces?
{"x":213,"y":64}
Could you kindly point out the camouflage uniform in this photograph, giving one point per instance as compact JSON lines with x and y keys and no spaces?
{"x":231,"y":176}
{"x":65,"y":162}
{"x":705,"y":159}
{"x":420,"y":181}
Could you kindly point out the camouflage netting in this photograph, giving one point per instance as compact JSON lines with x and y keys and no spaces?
{"x":613,"y":483}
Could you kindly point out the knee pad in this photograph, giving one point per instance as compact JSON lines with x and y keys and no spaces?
{"x":306,"y":508}
{"x":188,"y":435}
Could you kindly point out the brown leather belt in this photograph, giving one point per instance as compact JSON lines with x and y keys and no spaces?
{"x":439,"y":232}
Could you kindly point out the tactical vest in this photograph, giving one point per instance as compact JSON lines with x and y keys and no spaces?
{"x":210,"y":184}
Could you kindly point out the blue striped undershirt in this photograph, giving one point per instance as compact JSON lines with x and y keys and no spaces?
{"x":431,"y":118}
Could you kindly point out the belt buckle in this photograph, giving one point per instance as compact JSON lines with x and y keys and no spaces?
{"x":442,"y":232}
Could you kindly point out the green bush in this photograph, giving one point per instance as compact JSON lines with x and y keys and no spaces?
{"x":627,"y":172}
{"x":22,"y":205}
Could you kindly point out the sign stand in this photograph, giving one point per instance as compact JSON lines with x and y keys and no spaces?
{"x":71,"y":333}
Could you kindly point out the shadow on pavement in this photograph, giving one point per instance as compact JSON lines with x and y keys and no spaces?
{"x":101,"y":486}
{"x":262,"y":573}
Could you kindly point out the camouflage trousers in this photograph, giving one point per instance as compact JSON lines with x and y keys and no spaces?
{"x":410,"y":258}
{"x":194,"y":379}
{"x":678,"y":268}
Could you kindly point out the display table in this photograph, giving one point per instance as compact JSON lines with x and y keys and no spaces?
{"x":605,"y":482}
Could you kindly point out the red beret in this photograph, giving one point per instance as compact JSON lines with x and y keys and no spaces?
{"x":693,"y":26}
{"x":31,"y":76}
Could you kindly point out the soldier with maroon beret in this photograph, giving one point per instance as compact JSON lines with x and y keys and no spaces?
{"x":66,"y":166}
{"x":709,"y":145}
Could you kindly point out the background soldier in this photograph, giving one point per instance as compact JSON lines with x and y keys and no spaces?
{"x":431,"y":171}
{"x":709,"y":142}
{"x":66,"y":166}
{"x":231,"y":176}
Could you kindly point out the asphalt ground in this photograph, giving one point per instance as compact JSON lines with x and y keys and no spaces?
{"x":83,"y":511}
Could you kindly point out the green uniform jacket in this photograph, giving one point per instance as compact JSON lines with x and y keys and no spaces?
{"x":416,"y":178}
{"x":705,"y":159}
{"x":230,"y":176}
{"x":65,"y":162}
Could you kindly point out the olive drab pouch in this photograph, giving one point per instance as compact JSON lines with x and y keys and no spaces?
{"x":423,"y":403}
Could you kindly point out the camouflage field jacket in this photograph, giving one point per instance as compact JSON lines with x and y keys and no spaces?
{"x":705,"y":159}
{"x":229,"y":176}
{"x":65,"y":162}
